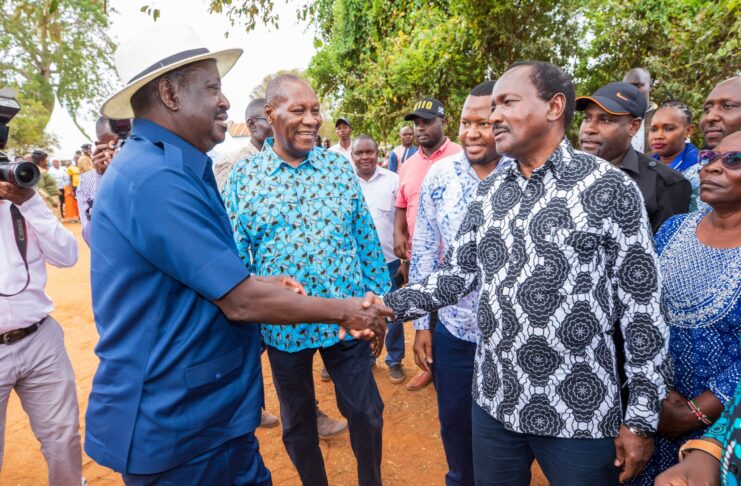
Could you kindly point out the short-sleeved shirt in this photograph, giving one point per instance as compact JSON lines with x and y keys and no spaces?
{"x":310,"y":222}
{"x":176,"y":378}
{"x":74,"y":174}
{"x":380,"y":196}
{"x":411,"y":175}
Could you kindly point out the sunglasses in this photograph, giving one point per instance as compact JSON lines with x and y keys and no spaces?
{"x":730,"y":160}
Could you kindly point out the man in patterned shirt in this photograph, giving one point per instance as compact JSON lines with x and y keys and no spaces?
{"x":446,"y":192}
{"x":559,"y":247}
{"x":298,"y":210}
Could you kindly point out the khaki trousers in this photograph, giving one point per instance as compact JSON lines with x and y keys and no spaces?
{"x":38,"y":369}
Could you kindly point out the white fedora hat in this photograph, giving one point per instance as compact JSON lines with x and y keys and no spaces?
{"x":154,"y":52}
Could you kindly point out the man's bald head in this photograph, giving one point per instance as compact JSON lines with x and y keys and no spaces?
{"x":257,"y":122}
{"x":275,"y":94}
{"x":641,"y":79}
{"x":255,"y":109}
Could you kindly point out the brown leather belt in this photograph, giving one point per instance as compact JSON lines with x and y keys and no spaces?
{"x":12,"y":337}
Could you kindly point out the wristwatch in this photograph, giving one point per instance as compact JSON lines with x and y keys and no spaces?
{"x":640,"y":433}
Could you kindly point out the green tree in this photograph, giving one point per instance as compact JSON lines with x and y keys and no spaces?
{"x":688,"y":46}
{"x":54,"y":48}
{"x":261,"y":89}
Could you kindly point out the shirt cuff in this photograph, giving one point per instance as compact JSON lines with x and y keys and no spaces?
{"x":422,"y":324}
{"x":221,"y":275}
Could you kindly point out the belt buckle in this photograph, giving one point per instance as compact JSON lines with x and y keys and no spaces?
{"x":10,"y":337}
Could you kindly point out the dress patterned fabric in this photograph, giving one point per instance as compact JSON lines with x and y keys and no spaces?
{"x":557,"y":258}
{"x":702,"y":301}
{"x":448,"y":188}
{"x":311,"y":223}
{"x":727,"y":431}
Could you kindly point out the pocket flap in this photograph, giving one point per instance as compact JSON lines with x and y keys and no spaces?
{"x":215,"y":370}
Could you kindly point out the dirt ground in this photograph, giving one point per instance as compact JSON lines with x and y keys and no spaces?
{"x":412,"y":455}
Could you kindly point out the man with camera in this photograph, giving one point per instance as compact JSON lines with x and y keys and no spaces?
{"x":105,"y":149}
{"x":33,"y":360}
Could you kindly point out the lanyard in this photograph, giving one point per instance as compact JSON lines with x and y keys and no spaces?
{"x":21,"y":241}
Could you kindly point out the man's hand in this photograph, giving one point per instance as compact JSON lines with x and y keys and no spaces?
{"x":632,"y":453}
{"x":423,"y":349}
{"x":16,"y":195}
{"x":403,"y":271}
{"x":103,"y":154}
{"x":676,"y":419}
{"x":283,"y":281}
{"x":364,"y":318}
{"x":400,"y":246}
{"x":697,"y":469}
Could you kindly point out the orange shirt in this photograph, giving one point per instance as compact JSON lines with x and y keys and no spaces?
{"x":411,"y":175}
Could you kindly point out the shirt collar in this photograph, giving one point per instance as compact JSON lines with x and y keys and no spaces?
{"x":316,"y":158}
{"x":437,"y":152}
{"x":630,"y":161}
{"x":192,"y":157}
{"x":467,"y":167}
{"x":556,"y":163}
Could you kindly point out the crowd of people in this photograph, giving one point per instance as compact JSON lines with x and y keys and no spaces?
{"x":578,"y":306}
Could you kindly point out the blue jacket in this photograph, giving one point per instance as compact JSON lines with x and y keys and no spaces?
{"x":176,"y":378}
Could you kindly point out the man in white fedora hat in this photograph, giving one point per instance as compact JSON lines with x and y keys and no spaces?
{"x":177,"y":395}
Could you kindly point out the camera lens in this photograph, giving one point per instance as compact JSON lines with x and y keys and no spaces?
{"x":25,"y":175}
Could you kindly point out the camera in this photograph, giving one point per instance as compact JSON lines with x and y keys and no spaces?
{"x":122,"y":128}
{"x":20,"y":174}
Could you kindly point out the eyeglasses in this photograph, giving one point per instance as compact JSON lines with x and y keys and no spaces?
{"x":730,"y":160}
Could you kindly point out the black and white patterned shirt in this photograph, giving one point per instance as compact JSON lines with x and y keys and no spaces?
{"x":558,"y":258}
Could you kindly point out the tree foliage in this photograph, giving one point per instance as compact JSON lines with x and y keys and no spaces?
{"x":376,"y":57}
{"x":53,"y":48}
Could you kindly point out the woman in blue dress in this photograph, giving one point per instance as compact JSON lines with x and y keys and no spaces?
{"x":700,"y":262}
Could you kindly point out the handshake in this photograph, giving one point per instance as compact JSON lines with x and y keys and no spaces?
{"x":363,"y":318}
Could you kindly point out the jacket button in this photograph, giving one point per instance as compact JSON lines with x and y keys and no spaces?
{"x":217,"y":376}
{"x":652,"y":163}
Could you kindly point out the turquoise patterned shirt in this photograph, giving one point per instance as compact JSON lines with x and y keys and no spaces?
{"x":310,"y":222}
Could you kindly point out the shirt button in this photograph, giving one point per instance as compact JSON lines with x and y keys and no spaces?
{"x":652,"y":163}
{"x":217,"y":376}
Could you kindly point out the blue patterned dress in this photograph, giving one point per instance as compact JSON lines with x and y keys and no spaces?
{"x":702,"y":302}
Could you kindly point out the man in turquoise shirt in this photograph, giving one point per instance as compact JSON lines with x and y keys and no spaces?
{"x":299,"y":210}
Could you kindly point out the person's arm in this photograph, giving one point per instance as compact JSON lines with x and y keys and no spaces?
{"x":393,"y":162}
{"x":255,"y":300}
{"x":370,"y":254}
{"x":425,"y":260}
{"x":671,"y":200}
{"x":456,"y":278}
{"x":58,"y":246}
{"x":50,"y":187}
{"x":636,"y":284}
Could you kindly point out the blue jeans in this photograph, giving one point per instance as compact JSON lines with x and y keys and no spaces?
{"x":395,"y":332}
{"x":503,"y":458}
{"x":236,"y":462}
{"x":357,"y":398}
{"x":452,"y":375}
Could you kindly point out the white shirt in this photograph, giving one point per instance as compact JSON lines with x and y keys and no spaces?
{"x":48,"y":241}
{"x":380,"y":196}
{"x":60,"y":177}
{"x":347,"y":152}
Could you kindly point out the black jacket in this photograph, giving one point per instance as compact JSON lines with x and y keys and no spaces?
{"x":665,"y":191}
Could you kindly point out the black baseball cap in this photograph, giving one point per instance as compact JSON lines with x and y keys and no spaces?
{"x":342,"y":120}
{"x":427,"y":108}
{"x":616,"y":99}
{"x":86,"y":146}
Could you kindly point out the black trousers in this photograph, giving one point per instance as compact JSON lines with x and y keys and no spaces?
{"x":357,"y":398}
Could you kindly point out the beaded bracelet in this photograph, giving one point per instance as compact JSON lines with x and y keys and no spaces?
{"x":695,"y":410}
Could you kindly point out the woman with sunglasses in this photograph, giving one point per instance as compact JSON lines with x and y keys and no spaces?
{"x":700,"y":262}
